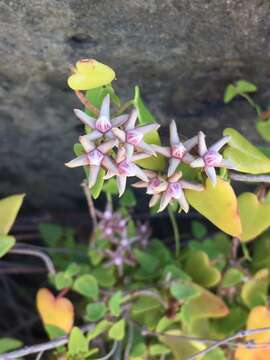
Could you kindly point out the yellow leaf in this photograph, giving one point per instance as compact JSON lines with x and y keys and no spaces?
{"x":259,"y":317}
{"x":218,"y":204}
{"x":90,"y":74}
{"x":55,"y":311}
{"x":255,"y":216}
{"x":9,"y":208}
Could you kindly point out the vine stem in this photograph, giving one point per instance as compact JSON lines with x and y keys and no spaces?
{"x":176,"y":233}
{"x":37,"y":253}
{"x":87,"y":103}
{"x":90,"y":203}
{"x":250,"y":178}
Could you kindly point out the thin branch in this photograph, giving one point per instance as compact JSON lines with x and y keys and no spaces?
{"x":110,"y":354}
{"x":90,"y":203}
{"x":37,"y":253}
{"x":35,"y":349}
{"x":146,"y":293}
{"x":176,"y":232}
{"x":238,"y":335}
{"x":250,"y":178}
{"x":87,"y":103}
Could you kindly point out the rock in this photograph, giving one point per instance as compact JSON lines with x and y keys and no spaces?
{"x":183,"y":53}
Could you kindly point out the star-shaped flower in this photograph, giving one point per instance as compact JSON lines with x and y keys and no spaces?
{"x":118,"y":258}
{"x":177,"y":152}
{"x":132,"y":136}
{"x":126,"y":168}
{"x":173,"y":190}
{"x":102,"y":125}
{"x":210,"y":158}
{"x":95,"y":157}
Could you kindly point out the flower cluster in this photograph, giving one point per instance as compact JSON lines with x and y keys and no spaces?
{"x":113,"y":226}
{"x":116,"y":144}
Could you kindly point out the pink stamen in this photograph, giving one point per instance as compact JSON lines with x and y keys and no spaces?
{"x":178,"y":151}
{"x":134,"y":137}
{"x":103,"y":124}
{"x":95,"y":157}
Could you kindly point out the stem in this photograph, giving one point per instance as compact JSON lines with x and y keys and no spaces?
{"x":251,"y":103}
{"x":37,"y":253}
{"x":87,"y":103}
{"x":250,"y":178}
{"x":146,"y":293}
{"x":90,"y":203}
{"x":176,"y":233}
{"x":41,"y":347}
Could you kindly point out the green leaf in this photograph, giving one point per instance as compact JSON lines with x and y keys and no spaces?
{"x":115,"y":303}
{"x":95,"y":312}
{"x":175,"y":273}
{"x":54,"y":332}
{"x":77,"y":344}
{"x":62,"y":281}
{"x":158,"y":349}
{"x":51,"y":233}
{"x":198,"y":230}
{"x":128,"y":198}
{"x":231,"y":323}
{"x":117,"y":331}
{"x":96,"y":256}
{"x":245,"y":156}
{"x":9,"y":208}
{"x":87,"y":286}
{"x":100,"y":328}
{"x":198,"y":266}
{"x":218,"y":204}
{"x":6,"y":243}
{"x":244,"y":86}
{"x":261,"y":253}
{"x":145,"y":117}
{"x":110,"y":187}
{"x":105,"y":276}
{"x":183,"y":292}
{"x":216,"y":354}
{"x":95,"y":96}
{"x":232,"y":277}
{"x":263,"y":128}
{"x":148,"y":263}
{"x":230,"y":93}
{"x":72,"y":269}
{"x":115,"y":99}
{"x":254,"y":291}
{"x":8,"y":344}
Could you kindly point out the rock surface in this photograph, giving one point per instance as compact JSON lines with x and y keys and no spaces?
{"x":182,"y":52}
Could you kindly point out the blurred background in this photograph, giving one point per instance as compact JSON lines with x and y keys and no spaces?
{"x":182,"y":53}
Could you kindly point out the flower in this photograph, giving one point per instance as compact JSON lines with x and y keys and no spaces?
{"x":165,"y":191}
{"x":210,"y":158}
{"x":126,"y":168}
{"x":90,"y":74}
{"x":177,"y":151}
{"x":95,"y":157}
{"x":102,"y":125}
{"x":132,"y":136}
{"x":118,"y":258}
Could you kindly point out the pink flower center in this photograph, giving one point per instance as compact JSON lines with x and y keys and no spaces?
{"x":103,"y":124}
{"x":212,"y":158}
{"x":95,"y":157}
{"x":174,"y":189}
{"x":178,"y":151}
{"x":134,"y":137}
{"x":124,"y":167}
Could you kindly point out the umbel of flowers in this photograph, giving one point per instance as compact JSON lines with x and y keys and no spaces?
{"x":115,"y":143}
{"x":124,"y":143}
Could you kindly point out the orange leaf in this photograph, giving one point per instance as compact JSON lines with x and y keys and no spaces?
{"x":218,"y":204}
{"x":259,"y":317}
{"x":55,"y":311}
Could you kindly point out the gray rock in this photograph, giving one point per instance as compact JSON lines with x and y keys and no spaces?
{"x":182,"y":52}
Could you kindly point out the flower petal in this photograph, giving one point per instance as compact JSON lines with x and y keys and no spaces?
{"x":163,"y":150}
{"x":86,"y":143}
{"x":219,"y":144}
{"x":188,"y":158}
{"x":183,"y":203}
{"x":129,"y":150}
{"x":201,"y":143}
{"x":174,"y":138}
{"x":140,"y":184}
{"x":138,"y":172}
{"x":93,"y":174}
{"x":146,"y":148}
{"x":130,"y":124}
{"x":120,"y":134}
{"x":81,"y":160}
{"x":228,"y":164}
{"x":211,"y":173}
{"x":105,"y":107}
{"x":173,"y":163}
{"x":87,"y":120}
{"x":191,"y":185}
{"x":154,"y":200}
{"x":139,"y":156}
{"x":197,"y":163}
{"x":94,"y":135}
{"x":107,"y":163}
{"x":190,"y":143}
{"x":107,"y":146}
{"x":121,"y":184}
{"x":119,"y":120}
{"x":147,"y":128}
{"x":164,"y":201}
